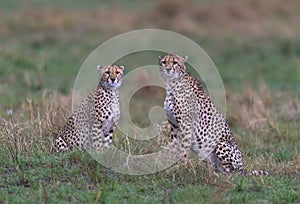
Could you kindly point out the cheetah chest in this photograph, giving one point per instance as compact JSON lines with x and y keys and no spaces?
{"x":169,"y":109}
{"x":115,"y":113}
{"x":111,"y":118}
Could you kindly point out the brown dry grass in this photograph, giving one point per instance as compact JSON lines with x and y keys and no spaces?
{"x":259,"y":110}
{"x":33,"y":126}
{"x":231,"y":18}
{"x":222,"y":19}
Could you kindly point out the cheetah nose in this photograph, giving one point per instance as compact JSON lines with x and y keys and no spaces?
{"x":113,"y":79}
{"x":168,"y":69}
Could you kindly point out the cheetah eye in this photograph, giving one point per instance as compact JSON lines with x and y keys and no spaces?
{"x":163,"y":63}
{"x":107,"y":72}
{"x":175,"y":63}
{"x":117,"y":72}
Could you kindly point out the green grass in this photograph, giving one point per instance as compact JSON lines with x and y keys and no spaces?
{"x":39,"y":61}
{"x":76,"y":177}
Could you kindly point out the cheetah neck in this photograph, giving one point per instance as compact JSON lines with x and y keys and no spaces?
{"x":187,"y":82}
{"x":112,"y":92}
{"x":172,"y":83}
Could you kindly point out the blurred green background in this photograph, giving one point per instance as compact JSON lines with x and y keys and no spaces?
{"x":44,"y":43}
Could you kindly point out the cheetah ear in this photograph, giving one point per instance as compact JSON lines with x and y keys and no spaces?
{"x":99,"y":67}
{"x":122,"y":67}
{"x":159,"y":59}
{"x":185,"y":58}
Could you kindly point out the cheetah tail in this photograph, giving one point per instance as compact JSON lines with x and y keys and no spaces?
{"x":255,"y":173}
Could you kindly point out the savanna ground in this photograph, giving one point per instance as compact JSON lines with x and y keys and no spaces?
{"x":254,"y":44}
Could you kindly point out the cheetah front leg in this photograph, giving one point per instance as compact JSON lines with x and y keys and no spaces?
{"x":107,"y":139}
{"x":180,"y":131}
{"x":185,"y":140}
{"x":174,"y":131}
{"x":97,"y":135}
{"x":181,"y":140}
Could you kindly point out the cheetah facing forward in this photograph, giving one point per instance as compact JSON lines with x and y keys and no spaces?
{"x":196,"y":122}
{"x":93,"y":122}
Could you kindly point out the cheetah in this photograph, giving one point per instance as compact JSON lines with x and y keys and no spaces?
{"x":92,"y":124}
{"x":195,"y":121}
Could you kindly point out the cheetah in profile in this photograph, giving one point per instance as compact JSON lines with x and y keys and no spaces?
{"x":92,"y":124}
{"x":195,"y":121}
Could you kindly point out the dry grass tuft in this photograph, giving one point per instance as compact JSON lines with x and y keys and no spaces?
{"x":32,"y":126}
{"x":250,"y":109}
{"x":259,"y":110}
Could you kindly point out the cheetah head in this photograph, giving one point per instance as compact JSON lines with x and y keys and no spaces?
{"x":172,"y":66}
{"x":111,"y":76}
